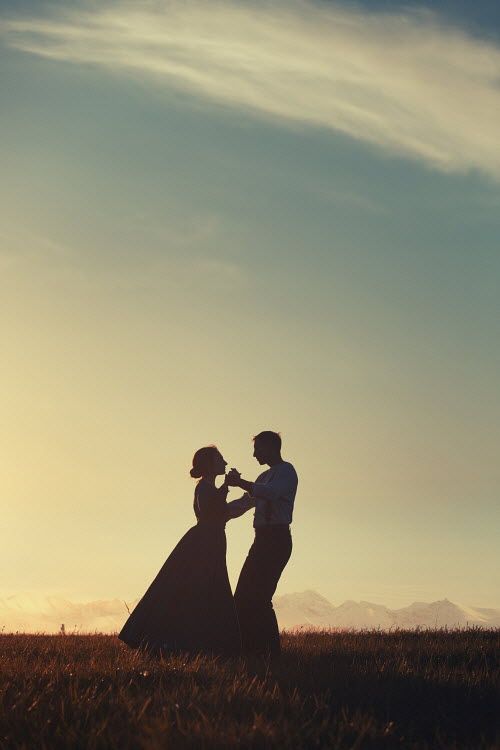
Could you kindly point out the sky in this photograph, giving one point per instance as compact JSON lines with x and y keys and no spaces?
{"x":227,"y":217}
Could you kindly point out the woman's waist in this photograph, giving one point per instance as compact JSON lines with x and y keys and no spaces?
{"x":211,"y":523}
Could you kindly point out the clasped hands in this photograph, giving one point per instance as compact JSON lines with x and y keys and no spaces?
{"x":233,"y":478}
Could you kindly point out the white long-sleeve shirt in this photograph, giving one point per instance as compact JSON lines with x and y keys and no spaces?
{"x":272,"y":496}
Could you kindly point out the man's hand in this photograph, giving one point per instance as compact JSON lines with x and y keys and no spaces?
{"x":233,"y":478}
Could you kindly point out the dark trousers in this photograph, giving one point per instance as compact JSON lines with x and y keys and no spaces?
{"x":257,"y":583}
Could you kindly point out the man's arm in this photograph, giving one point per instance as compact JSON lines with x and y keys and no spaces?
{"x":284,"y":484}
{"x":234,"y":479}
{"x":236,"y":508}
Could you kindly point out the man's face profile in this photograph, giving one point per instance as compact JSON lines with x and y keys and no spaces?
{"x":260,"y":452}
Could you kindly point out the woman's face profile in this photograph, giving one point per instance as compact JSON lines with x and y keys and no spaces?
{"x":220,"y":464}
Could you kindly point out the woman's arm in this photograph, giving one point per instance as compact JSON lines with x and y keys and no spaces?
{"x":237,"y":507}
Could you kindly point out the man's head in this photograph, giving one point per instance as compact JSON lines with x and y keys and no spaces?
{"x":267,"y":447}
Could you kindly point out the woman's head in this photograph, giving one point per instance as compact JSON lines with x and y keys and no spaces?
{"x":208,"y":461}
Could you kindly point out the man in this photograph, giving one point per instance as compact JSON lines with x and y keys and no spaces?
{"x":272,"y":495}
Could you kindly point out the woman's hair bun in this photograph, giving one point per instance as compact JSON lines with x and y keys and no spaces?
{"x":203,"y":461}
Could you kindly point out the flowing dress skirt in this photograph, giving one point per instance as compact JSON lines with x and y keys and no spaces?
{"x":189,"y":606}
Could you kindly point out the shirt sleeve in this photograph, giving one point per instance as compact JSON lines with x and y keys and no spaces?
{"x":237,"y":507}
{"x":283,"y":484}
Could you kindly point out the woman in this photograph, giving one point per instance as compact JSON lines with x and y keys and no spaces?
{"x":189,"y":606}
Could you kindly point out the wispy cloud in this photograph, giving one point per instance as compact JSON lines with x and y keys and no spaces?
{"x":408,"y":83}
{"x":35,"y":257}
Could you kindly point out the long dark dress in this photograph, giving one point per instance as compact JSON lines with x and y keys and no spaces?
{"x":189,"y":606}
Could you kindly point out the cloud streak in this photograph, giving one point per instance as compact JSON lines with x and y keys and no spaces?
{"x":35,"y":257}
{"x":406,"y":83}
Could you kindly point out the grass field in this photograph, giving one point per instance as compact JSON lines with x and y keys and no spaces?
{"x":427,"y":689}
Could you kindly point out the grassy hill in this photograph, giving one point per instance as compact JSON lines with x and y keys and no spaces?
{"x":417,"y":689}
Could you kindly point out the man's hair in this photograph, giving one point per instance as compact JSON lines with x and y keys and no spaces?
{"x":273,"y":439}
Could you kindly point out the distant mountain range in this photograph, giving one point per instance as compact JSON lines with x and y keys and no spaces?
{"x":32,"y":613}
{"x":311,"y":609}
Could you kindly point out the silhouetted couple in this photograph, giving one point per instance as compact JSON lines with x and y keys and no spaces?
{"x":189,"y":606}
